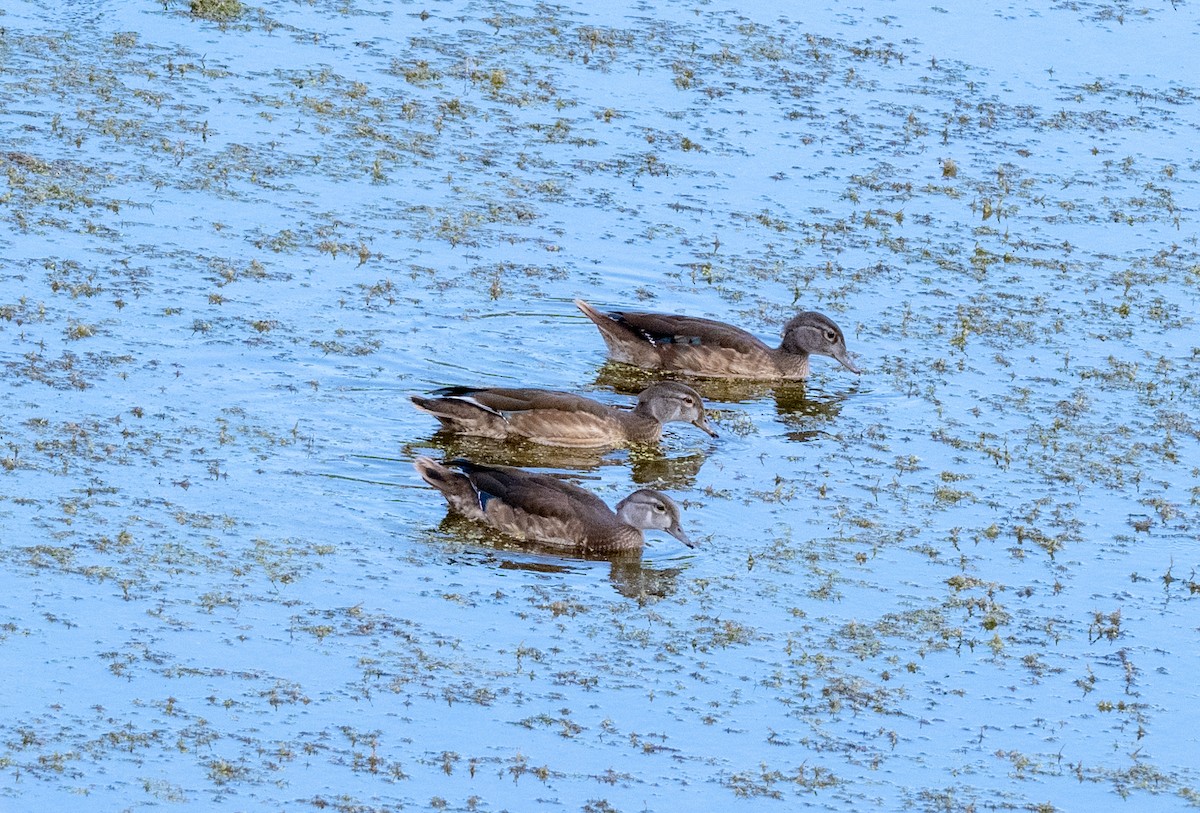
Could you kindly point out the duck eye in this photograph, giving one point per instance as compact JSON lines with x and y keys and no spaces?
{"x":830,"y":336}
{"x":659,"y":507}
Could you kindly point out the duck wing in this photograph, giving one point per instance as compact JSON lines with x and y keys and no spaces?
{"x":664,"y":329}
{"x":534,"y":494}
{"x":627,"y":329}
{"x":505,"y":402}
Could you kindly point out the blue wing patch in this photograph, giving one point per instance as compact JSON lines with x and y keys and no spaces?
{"x":484,"y":499}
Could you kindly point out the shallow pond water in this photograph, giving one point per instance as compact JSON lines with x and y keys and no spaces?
{"x":966,"y":579}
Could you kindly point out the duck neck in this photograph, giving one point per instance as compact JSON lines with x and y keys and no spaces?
{"x":641,"y":424}
{"x":791,"y":364}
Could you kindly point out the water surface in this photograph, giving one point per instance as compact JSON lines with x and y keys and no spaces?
{"x":966,"y":579}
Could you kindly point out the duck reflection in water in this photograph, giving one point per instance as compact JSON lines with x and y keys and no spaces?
{"x":630,"y":574}
{"x":649,"y":464}
{"x":799,"y":408}
{"x":804,"y":412}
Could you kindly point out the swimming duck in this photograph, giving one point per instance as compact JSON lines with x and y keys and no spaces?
{"x":706,"y":348}
{"x":561,"y":418}
{"x":553,"y":512}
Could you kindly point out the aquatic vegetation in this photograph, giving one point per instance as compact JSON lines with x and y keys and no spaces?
{"x":239,"y":237}
{"x":218,"y":10}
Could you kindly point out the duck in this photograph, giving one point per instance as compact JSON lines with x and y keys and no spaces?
{"x":544,"y":509}
{"x":709,"y":349}
{"x":561,"y":418}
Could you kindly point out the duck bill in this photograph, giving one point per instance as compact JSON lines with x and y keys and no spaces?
{"x":703,"y":425}
{"x":678,"y":533}
{"x":844,"y":358}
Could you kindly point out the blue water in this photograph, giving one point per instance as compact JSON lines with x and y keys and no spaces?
{"x":963,"y":580}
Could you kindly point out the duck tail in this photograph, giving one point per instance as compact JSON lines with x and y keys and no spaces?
{"x":452,"y":484}
{"x":462,"y":494}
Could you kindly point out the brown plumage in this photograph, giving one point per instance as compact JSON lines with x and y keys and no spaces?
{"x":706,"y":348}
{"x":561,"y":418}
{"x":544,"y":509}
